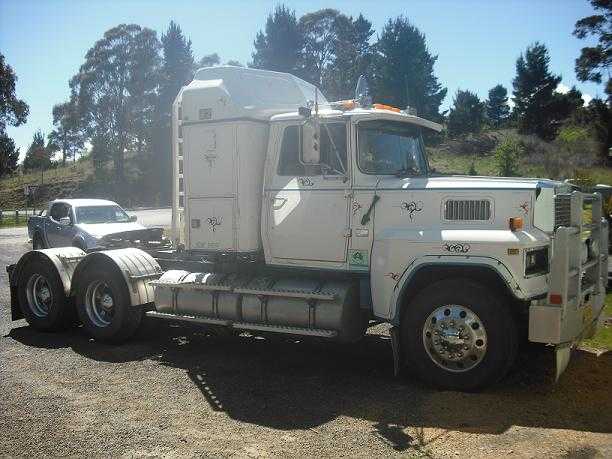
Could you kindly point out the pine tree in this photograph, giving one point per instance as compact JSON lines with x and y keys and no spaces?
{"x":279,"y":47}
{"x":67,"y":135}
{"x":9,"y":155}
{"x":320,"y":33}
{"x":595,"y":61}
{"x":37,"y":156}
{"x":534,"y":88}
{"x":497,"y":107}
{"x":466,"y":115}
{"x":404,"y":70}
{"x":352,"y":57}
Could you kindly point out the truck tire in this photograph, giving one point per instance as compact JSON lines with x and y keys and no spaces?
{"x":42,"y":297}
{"x":456,"y":334}
{"x":38,"y":242}
{"x":104,"y":307}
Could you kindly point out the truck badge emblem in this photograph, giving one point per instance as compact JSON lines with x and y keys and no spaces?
{"x":305,"y":181}
{"x":412,"y":207}
{"x":457,"y":247}
{"x":356,"y":206}
{"x":213,"y":222}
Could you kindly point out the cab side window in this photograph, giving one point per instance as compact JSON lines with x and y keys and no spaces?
{"x":333,"y":152}
{"x":59,"y":210}
{"x":289,"y":160}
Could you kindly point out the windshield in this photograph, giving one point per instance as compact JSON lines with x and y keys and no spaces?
{"x":390,"y":147}
{"x":101,"y":214}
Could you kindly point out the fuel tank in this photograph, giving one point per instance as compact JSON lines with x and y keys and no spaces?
{"x":287,"y":302}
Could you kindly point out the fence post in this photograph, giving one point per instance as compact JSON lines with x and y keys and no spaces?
{"x":0,"y":216}
{"x":16,"y":217}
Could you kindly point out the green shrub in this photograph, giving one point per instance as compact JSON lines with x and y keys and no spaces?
{"x":507,"y":158}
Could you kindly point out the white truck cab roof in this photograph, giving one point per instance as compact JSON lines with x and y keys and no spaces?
{"x":360,"y":113}
{"x":84,"y":202}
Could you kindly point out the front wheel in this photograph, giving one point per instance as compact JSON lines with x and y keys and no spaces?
{"x":104,"y":306}
{"x":456,"y":334}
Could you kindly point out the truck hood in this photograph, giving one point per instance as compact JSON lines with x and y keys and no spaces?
{"x":453,"y":182}
{"x":99,"y":230}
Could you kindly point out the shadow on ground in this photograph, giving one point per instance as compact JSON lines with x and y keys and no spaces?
{"x":291,"y":384}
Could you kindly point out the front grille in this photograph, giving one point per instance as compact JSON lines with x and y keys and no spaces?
{"x":467,"y":209}
{"x":563,"y":210}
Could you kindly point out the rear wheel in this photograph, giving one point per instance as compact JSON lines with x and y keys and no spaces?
{"x":456,"y":334}
{"x":42,"y":297}
{"x":104,"y":307}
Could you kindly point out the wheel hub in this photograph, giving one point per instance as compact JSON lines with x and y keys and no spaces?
{"x":39,"y":295}
{"x":99,"y":303}
{"x":455,"y":338}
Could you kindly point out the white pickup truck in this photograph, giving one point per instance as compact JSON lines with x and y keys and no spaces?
{"x":294,"y":215}
{"x":89,"y":224}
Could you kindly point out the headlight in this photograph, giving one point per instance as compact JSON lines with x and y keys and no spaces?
{"x":536,"y":261}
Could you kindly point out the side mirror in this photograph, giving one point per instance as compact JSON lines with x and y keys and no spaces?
{"x":65,"y":221}
{"x":311,"y":135}
{"x":133,"y":218}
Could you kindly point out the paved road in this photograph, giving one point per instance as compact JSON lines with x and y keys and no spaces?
{"x":148,"y":217}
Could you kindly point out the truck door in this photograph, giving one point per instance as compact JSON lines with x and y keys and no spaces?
{"x":58,"y":235}
{"x":307,"y":217}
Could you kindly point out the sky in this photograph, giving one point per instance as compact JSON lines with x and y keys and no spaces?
{"x":477,"y":41}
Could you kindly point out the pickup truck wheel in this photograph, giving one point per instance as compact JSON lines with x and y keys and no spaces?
{"x":42,"y":297}
{"x":37,"y":242}
{"x":458,"y":335}
{"x":104,"y":307}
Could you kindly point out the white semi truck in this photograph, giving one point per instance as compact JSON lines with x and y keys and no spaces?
{"x":295,"y":215}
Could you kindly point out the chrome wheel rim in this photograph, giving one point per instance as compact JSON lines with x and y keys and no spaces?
{"x":455,"y":338}
{"x":99,"y":304}
{"x":39,"y":295}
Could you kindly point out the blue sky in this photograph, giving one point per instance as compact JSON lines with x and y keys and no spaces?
{"x":477,"y":41}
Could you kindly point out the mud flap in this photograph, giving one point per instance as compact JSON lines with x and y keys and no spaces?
{"x":394,"y":332}
{"x":563,"y":353}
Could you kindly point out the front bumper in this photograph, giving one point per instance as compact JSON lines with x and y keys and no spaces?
{"x":572,"y":310}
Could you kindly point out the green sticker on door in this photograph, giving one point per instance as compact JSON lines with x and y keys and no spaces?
{"x":358,"y":258}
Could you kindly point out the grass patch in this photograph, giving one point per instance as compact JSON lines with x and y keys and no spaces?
{"x":8,"y":221}
{"x":603,"y":338}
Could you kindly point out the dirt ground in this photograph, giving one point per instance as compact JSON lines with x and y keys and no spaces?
{"x":180,"y":391}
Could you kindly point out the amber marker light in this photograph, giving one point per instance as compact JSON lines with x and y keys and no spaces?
{"x":516,"y":223}
{"x":555,"y":298}
{"x":386,"y":107}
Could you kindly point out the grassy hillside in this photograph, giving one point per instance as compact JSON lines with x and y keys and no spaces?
{"x":75,"y":180}
{"x":450,"y":157}
{"x":458,"y":156}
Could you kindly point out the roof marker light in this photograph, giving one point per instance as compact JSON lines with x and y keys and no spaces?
{"x":386,"y":107}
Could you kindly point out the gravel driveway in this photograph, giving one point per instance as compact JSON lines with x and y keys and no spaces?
{"x":176,"y":391}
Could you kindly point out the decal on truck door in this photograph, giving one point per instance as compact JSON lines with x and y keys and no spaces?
{"x":358,"y":259}
{"x":213,"y":222}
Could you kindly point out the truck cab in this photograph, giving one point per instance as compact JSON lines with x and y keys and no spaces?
{"x":296,"y":215}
